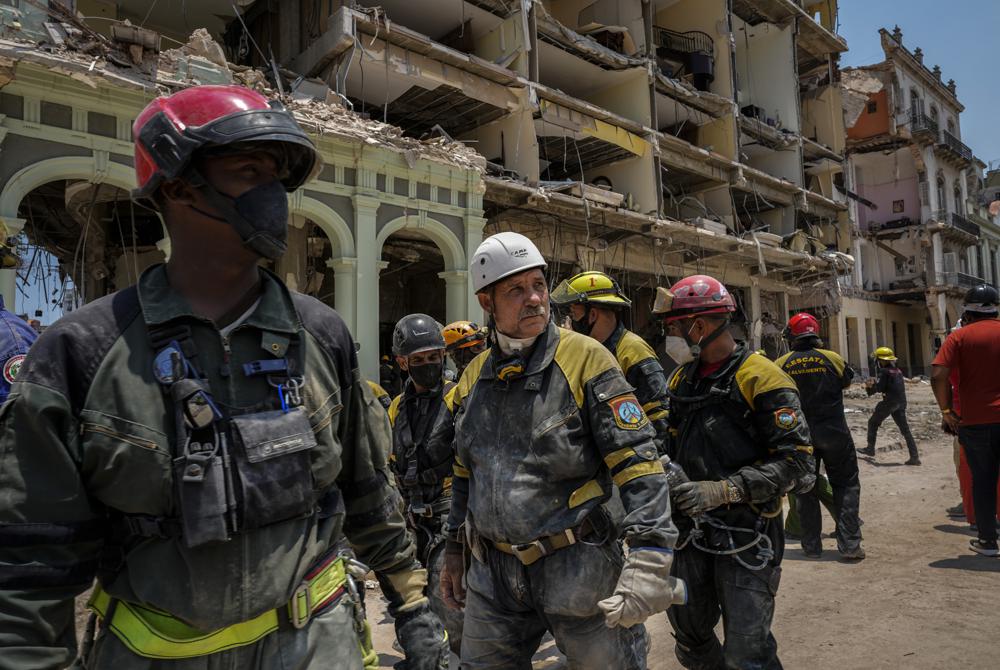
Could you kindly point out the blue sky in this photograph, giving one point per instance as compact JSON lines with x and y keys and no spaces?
{"x":959,"y":35}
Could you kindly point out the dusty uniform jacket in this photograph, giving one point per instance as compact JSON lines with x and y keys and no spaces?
{"x":891,"y":385}
{"x":643,"y":371}
{"x":539,"y":443}
{"x":821,"y":377}
{"x":422,"y":459}
{"x":743,"y":421}
{"x":15,"y":338}
{"x":87,"y":480}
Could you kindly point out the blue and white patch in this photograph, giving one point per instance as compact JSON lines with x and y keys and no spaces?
{"x":628,"y":412}
{"x":786,"y":418}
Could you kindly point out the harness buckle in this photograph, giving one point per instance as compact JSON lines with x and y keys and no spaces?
{"x":298,"y":619}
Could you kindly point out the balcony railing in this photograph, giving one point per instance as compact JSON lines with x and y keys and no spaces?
{"x":962,"y":280}
{"x":954,"y":144}
{"x":922,"y":123}
{"x":963,"y":224}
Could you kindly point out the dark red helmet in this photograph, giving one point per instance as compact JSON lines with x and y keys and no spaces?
{"x":802,"y":324}
{"x":694,"y":295}
{"x":171,"y":129}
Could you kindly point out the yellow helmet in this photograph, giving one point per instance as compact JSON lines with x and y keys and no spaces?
{"x":462,"y":334}
{"x":885,"y":354}
{"x":594,"y":288}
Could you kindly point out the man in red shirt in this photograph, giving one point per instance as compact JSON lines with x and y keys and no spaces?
{"x":974,"y":351}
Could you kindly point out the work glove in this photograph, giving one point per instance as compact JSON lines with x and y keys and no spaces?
{"x":421,"y":635}
{"x":694,"y":498}
{"x":644,"y":588}
{"x":452,"y":588}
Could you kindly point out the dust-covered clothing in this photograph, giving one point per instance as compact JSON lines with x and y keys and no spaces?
{"x":741,"y":421}
{"x":644,"y":372}
{"x":210,"y":511}
{"x":540,"y":441}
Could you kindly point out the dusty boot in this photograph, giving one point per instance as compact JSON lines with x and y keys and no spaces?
{"x":856,"y":554}
{"x":912,"y":460}
{"x":868,"y":451}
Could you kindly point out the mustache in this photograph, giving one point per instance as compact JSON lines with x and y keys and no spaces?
{"x":532,"y":311}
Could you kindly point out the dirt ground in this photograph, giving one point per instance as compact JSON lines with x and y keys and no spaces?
{"x":920,"y":600}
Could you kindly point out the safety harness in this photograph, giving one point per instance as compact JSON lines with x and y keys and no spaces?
{"x":722,"y":396}
{"x":224,"y":487}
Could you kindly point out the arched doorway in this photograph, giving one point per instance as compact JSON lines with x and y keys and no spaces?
{"x":81,"y":241}
{"x":410,"y":281}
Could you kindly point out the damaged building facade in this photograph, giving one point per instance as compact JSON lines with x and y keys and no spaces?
{"x":924,"y":232}
{"x":647,"y":138}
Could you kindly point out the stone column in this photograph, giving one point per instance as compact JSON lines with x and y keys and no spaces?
{"x":755,"y":310}
{"x":8,"y":278}
{"x":456,"y":292}
{"x":345,"y":290}
{"x":366,"y":286}
{"x":473,"y":238}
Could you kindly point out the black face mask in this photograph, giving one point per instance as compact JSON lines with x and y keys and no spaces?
{"x":260,"y":216}
{"x":427,"y":375}
{"x":581,"y":325}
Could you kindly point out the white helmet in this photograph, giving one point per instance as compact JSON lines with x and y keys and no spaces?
{"x":503,"y":255}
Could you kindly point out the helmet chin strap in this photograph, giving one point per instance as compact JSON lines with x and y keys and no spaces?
{"x":697,"y":347}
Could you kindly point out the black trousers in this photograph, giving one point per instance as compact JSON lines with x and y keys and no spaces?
{"x":834,"y":448}
{"x":982,"y":451}
{"x":897,"y":411}
{"x":718,"y":586}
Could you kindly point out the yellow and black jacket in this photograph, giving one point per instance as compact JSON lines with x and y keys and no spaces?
{"x":744,"y":422}
{"x":821,"y":377}
{"x":380,"y":394}
{"x":539,"y":443}
{"x":643,"y":371}
{"x":423,"y":430}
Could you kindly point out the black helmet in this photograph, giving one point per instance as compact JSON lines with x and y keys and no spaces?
{"x":415,"y":333}
{"x":982,"y":299}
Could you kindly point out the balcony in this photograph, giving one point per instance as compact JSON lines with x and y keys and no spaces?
{"x":963,"y":224}
{"x":923,"y":128}
{"x":953,"y":151}
{"x":962,"y":280}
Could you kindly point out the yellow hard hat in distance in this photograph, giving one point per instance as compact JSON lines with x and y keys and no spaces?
{"x":594,"y":288}
{"x":462,"y":334}
{"x":885,"y":354}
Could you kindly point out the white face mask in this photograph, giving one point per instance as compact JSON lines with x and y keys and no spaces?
{"x":514,"y":345}
{"x":679,"y":350}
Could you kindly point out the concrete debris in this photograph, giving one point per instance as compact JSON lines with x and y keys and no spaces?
{"x":856,"y":86}
{"x":202,"y":61}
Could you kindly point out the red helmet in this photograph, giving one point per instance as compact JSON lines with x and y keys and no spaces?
{"x":802,"y":324}
{"x":171,"y":129}
{"x":697,"y":294}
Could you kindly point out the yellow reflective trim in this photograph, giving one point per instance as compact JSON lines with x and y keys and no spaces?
{"x":835,"y":359}
{"x":151,"y":633}
{"x":446,"y":483}
{"x":468,"y":380}
{"x":588,"y":491}
{"x":758,"y":375}
{"x":636,"y":471}
{"x":460,"y":471}
{"x":581,"y":358}
{"x":781,"y":360}
{"x":394,"y":409}
{"x":632,"y":350}
{"x":655,"y":416}
{"x":616,"y":457}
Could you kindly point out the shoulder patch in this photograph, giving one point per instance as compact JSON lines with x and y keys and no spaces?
{"x":785,"y":418}
{"x":627,"y":412}
{"x":12,"y":367}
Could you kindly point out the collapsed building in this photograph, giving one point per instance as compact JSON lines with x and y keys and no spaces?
{"x":924,"y":232}
{"x":647,"y":138}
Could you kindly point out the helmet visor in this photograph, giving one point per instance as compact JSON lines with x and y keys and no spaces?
{"x":565,"y":294}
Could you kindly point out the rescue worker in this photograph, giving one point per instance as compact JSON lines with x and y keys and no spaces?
{"x":203,"y":442}
{"x":545,"y":425}
{"x":892,"y":386}
{"x":16,"y":337}
{"x":422,"y":456}
{"x":463,"y":340}
{"x":739,"y":442}
{"x":595,"y":303}
{"x":389,"y":377}
{"x":821,"y":377}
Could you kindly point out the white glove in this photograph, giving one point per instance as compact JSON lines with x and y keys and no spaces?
{"x":644,"y":588}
